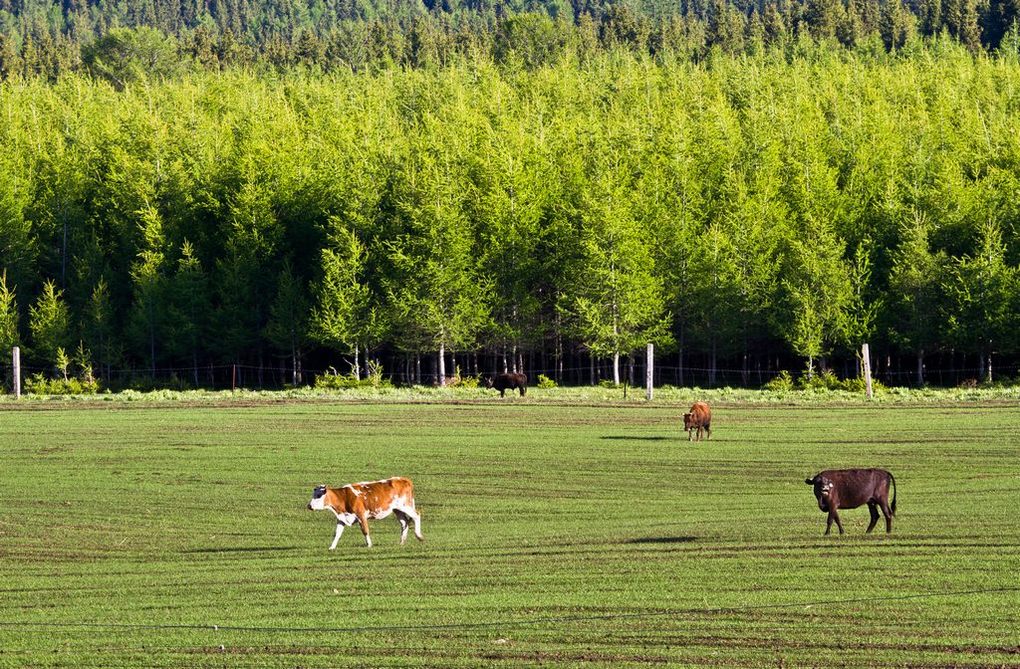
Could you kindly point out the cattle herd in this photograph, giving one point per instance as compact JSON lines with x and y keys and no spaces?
{"x":834,"y":488}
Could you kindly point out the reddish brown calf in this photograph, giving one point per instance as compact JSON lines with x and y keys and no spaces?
{"x":700,"y":418}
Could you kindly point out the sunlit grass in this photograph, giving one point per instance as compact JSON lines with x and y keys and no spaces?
{"x":556,"y":534}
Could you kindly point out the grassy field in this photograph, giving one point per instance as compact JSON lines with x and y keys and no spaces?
{"x":557,"y":535}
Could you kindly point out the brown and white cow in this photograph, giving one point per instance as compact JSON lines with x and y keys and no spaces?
{"x":699,"y":418}
{"x":357,"y":502}
{"x":850,"y":488}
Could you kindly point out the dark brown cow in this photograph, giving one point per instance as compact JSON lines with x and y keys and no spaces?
{"x":700,"y":418}
{"x":503,"y":382}
{"x":849,"y":489}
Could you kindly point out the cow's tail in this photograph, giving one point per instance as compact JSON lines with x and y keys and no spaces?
{"x":893,"y":479}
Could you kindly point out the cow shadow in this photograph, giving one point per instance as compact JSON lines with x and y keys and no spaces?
{"x":621,"y":437}
{"x":241,"y":549}
{"x":662,"y":540}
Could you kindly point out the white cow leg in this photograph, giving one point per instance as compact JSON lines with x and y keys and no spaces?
{"x":417,"y":523}
{"x":336,"y":537}
{"x":404,"y":524}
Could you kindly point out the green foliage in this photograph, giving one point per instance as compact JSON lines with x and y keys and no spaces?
{"x":333,"y":380}
{"x":37,"y":384}
{"x":545,"y":382}
{"x":782,"y":382}
{"x":9,"y":336}
{"x":49,"y":323}
{"x":827,"y":380}
{"x":796,"y":201}
{"x":459,"y":381}
{"x":128,"y":55}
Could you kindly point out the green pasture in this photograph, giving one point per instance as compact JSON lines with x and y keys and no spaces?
{"x":173,"y":535}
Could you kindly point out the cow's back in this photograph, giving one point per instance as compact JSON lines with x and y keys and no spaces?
{"x":856,"y":487}
{"x":701,"y":414}
{"x":378,"y":495}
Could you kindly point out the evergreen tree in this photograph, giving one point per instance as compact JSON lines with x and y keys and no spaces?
{"x":915,"y":290}
{"x":9,"y":336}
{"x":188,"y":309}
{"x":340,"y":297}
{"x":982,"y":292}
{"x":49,"y":324}
{"x":288,"y":323}
{"x":99,"y":325}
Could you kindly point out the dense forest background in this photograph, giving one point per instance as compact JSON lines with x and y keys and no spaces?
{"x":193,"y":191}
{"x":117,"y":39}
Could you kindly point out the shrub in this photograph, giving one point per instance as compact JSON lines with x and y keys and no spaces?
{"x":334,"y":380}
{"x":545,"y":382}
{"x":782,"y":382}
{"x":825,"y":380}
{"x":37,"y":384}
{"x":458,"y":381}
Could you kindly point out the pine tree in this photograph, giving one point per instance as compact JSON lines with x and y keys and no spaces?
{"x":288,"y":325}
{"x":9,"y":336}
{"x":49,"y":324}
{"x":915,"y":291}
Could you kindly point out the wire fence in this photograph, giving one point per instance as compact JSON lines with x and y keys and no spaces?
{"x":279,"y":376}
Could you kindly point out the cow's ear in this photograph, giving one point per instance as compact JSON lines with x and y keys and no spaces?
{"x":809,"y":481}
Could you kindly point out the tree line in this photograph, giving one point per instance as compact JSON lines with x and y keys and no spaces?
{"x":131,"y":39}
{"x":752,"y":211}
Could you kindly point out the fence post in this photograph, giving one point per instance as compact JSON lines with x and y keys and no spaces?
{"x":649,"y":374}
{"x":233,"y":377}
{"x":16,"y":355}
{"x":866,"y":366}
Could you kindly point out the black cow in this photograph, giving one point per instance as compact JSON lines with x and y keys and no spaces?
{"x":849,"y":489}
{"x":502,"y":382}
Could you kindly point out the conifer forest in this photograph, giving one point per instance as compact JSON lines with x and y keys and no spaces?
{"x":422,"y":191}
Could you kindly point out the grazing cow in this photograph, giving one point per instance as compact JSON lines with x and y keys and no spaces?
{"x":357,"y":502}
{"x":850,"y":488}
{"x":502,"y":382}
{"x":699,"y":418}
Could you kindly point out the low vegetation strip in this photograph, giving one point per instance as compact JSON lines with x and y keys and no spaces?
{"x":557,"y":534}
{"x":585,"y":395}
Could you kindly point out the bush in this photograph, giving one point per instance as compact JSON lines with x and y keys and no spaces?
{"x":37,"y":384}
{"x":545,"y":382}
{"x":458,"y":381}
{"x":825,"y":380}
{"x":782,"y":382}
{"x":334,"y":380}
{"x":606,"y":383}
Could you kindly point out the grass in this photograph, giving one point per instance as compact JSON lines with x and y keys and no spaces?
{"x":669,"y":396}
{"x":557,"y":535}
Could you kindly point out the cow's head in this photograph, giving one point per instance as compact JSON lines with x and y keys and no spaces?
{"x":318,"y":502}
{"x":687,"y":421}
{"x":488,"y":382}
{"x":823,"y":490}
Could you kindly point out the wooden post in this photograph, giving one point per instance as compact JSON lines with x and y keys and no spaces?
{"x":649,"y":364}
{"x":866,"y":362}
{"x":16,"y":355}
{"x":233,"y":377}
